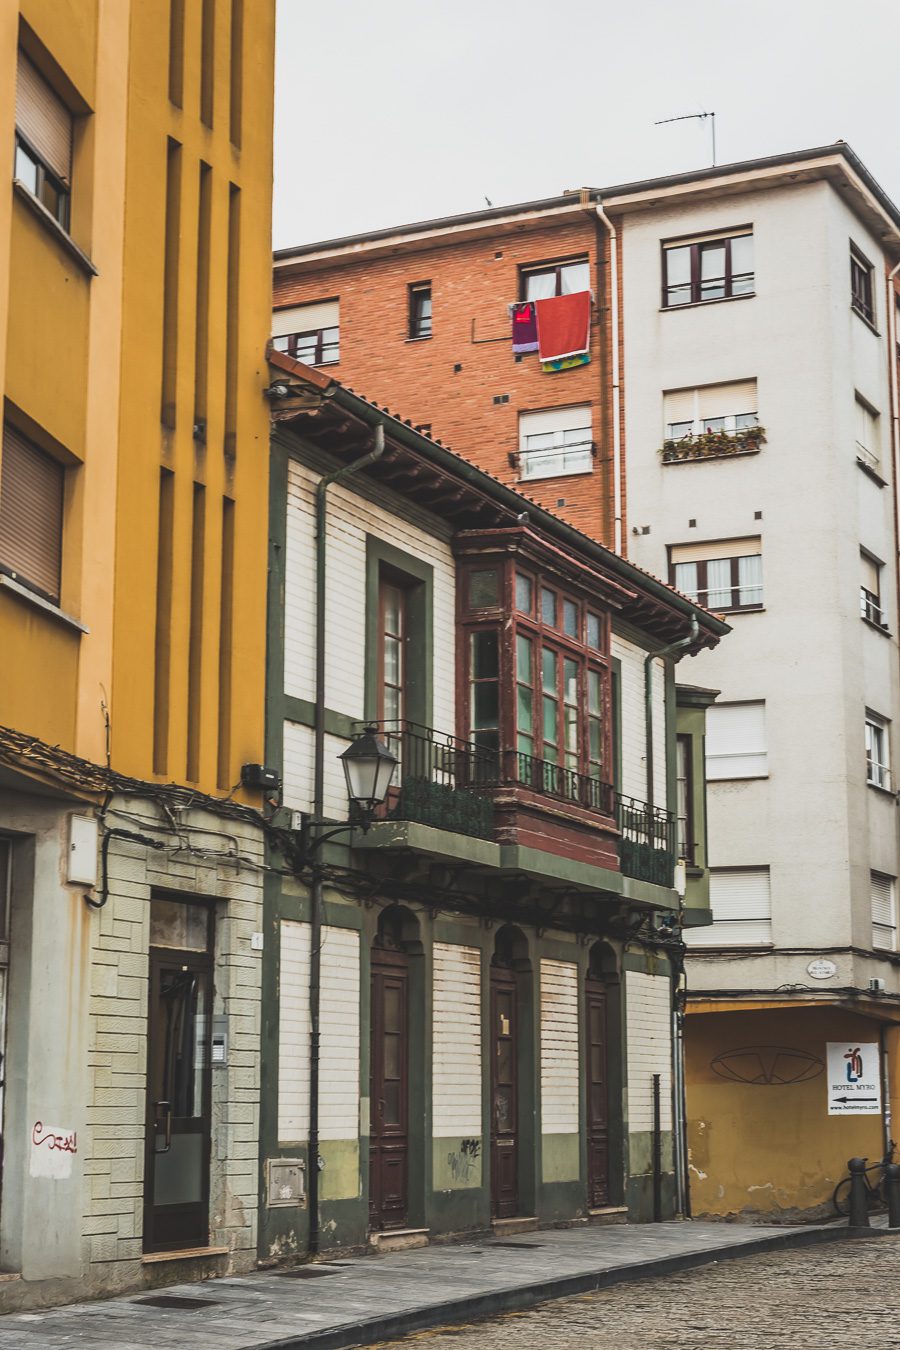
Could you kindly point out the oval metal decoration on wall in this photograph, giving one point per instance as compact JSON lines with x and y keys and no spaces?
{"x":767,"y":1065}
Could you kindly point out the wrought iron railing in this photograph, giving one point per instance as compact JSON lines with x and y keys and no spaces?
{"x":648,"y":843}
{"x":447,"y":782}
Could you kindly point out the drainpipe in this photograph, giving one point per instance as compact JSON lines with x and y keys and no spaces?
{"x":616,"y":376}
{"x":315,"y":935}
{"x":895,"y":408}
{"x":648,"y":694}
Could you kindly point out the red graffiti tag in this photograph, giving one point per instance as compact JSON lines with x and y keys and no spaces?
{"x":64,"y":1143}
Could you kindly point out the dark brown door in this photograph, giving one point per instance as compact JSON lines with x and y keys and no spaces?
{"x":389,"y":1135}
{"x":598,"y":1097}
{"x":504,"y":1094}
{"x":176,"y":1188}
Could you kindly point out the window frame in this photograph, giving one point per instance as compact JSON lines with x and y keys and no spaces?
{"x":527,"y":270}
{"x":734,"y":605}
{"x":43,"y":174}
{"x":585,"y":448}
{"x":878,"y":769}
{"x":321,"y":345}
{"x":10,"y":569}
{"x":716,"y":933}
{"x":892,"y":881}
{"x":696,"y":246}
{"x":572,"y":755}
{"x":871,"y":610}
{"x":416,"y":321}
{"x":684,"y":785}
{"x":862,"y":299}
{"x":713,"y":758}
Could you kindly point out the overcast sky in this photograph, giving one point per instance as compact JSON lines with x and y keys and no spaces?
{"x":398,"y":110}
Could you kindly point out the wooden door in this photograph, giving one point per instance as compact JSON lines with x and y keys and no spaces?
{"x":176,"y":1188}
{"x":389,"y":1132}
{"x":598,"y":1096}
{"x":504,"y":1095}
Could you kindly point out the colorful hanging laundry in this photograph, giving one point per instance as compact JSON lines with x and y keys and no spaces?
{"x":564,"y":328}
{"x":524,"y":328}
{"x":565,"y":363}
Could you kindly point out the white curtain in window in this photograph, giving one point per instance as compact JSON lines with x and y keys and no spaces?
{"x":718,"y":583}
{"x":686,"y":578}
{"x":750,"y":580}
{"x":540,"y":285}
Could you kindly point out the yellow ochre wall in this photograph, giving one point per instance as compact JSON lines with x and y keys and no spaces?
{"x":82,"y":357}
{"x":237,"y":469}
{"x":763,"y":1148}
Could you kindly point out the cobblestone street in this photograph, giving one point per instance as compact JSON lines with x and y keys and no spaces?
{"x":816,"y":1298}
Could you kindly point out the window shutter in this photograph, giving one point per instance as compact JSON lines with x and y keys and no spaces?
{"x":717,"y":548}
{"x":43,"y":119}
{"x":736,"y":740}
{"x":742,"y":909}
{"x":553,"y":419}
{"x":883,"y":924}
{"x":679,"y":405}
{"x":723,"y":400}
{"x":306,"y":318}
{"x":870,"y":573}
{"x":31,"y":502}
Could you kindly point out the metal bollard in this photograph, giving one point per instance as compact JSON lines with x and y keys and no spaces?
{"x":892,"y":1186}
{"x":859,"y":1193}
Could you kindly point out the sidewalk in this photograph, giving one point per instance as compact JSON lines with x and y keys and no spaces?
{"x":361,"y":1300}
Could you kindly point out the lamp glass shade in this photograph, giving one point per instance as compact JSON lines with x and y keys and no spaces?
{"x":368,"y":767}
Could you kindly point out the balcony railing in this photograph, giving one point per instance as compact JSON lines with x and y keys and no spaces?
{"x":448,"y":783}
{"x":713,"y":445}
{"x":648,"y":843}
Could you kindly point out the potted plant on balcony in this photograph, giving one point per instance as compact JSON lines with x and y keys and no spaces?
{"x":713,"y":445}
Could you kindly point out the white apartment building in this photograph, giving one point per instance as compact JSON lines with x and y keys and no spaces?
{"x":760,"y":374}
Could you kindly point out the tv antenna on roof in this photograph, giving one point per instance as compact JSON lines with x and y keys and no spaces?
{"x":689,"y":117}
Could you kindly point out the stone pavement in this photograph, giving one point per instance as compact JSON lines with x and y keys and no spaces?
{"x":812,"y":1299}
{"x":364,"y":1300}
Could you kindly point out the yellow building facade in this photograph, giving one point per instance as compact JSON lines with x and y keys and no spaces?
{"x":135,"y":238}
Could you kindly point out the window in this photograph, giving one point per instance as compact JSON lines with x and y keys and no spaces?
{"x":868,"y":434}
{"x":723,"y":575}
{"x":884,"y":914}
{"x":861,"y":285}
{"x":741,"y":906}
{"x":420,"y":310}
{"x":309,"y":333}
{"x":555,"y":443}
{"x":736,"y":741}
{"x":43,"y":162}
{"x":392,"y":646}
{"x":484,"y":680}
{"x":684,"y":797}
{"x":870,"y":590}
{"x":31,"y":515}
{"x":716,"y":407}
{"x":878,"y":763}
{"x":717,"y":268}
{"x":548,"y":279}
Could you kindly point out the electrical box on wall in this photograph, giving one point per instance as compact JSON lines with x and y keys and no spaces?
{"x":81,"y":864}
{"x":285,"y":1182}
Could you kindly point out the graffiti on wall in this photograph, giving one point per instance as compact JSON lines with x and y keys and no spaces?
{"x":52,"y":1149}
{"x":463,"y":1164}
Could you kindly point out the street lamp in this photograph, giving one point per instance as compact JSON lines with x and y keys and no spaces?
{"x":368,"y":768}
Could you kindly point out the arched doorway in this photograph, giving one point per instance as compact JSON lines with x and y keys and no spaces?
{"x":389,"y":1072}
{"x":601,"y":965}
{"x":509,"y":965}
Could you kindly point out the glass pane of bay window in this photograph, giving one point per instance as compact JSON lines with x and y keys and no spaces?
{"x":548,"y":606}
{"x":485,"y":696}
{"x":524,"y":593}
{"x":570,"y":618}
{"x":570,"y":712}
{"x":524,"y":696}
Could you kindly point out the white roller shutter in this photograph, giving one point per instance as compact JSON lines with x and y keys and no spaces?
{"x":716,"y":548}
{"x":680,"y":405}
{"x":293,"y":1033}
{"x":559,"y":1047}
{"x":742,"y":909}
{"x":726,"y":400}
{"x":554,"y":419}
{"x":43,"y":119}
{"x":456,"y":1042}
{"x":870,"y":574}
{"x":736,"y":740}
{"x":339,"y":1016}
{"x":306,"y":318}
{"x":884,"y":924}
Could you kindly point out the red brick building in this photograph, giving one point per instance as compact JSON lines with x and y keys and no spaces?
{"x":418,"y":318}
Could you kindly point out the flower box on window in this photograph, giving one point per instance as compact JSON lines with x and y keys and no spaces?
{"x":713,"y":445}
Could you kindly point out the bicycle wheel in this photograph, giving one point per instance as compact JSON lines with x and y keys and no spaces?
{"x":841,"y":1198}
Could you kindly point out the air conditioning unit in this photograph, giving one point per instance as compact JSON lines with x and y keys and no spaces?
{"x":877,"y":986}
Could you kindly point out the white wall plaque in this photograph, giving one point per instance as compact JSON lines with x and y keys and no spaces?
{"x":821,"y":968}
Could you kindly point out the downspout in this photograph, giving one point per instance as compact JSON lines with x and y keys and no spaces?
{"x":895,"y":409}
{"x":315,"y":934}
{"x":616,"y":376}
{"x":648,"y":694}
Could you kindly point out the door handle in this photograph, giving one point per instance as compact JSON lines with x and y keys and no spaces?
{"x":167,"y":1108}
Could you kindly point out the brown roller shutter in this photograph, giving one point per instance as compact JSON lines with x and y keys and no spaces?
{"x":31,"y":502}
{"x":43,"y":119}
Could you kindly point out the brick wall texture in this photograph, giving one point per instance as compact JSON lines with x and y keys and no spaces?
{"x":451,"y":379}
